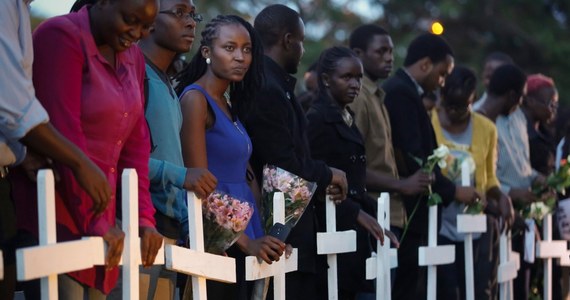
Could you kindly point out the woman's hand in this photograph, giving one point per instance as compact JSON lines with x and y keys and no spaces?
{"x":151,"y":241}
{"x":115,"y":239}
{"x":267,"y":248}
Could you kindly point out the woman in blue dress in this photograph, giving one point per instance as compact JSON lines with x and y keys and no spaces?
{"x":219,"y":82}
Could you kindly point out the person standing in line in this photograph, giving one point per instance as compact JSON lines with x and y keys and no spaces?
{"x":374,"y":47}
{"x":171,"y":34}
{"x":469,"y":136}
{"x":428,"y":62}
{"x":335,"y":139}
{"x":221,"y":80}
{"x":277,"y":126}
{"x":507,"y":88}
{"x":89,"y":76}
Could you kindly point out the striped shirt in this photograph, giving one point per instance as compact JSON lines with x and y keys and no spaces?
{"x":513,"y":164}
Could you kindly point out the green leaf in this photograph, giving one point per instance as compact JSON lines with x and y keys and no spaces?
{"x":434,"y":199}
{"x":474,"y":209}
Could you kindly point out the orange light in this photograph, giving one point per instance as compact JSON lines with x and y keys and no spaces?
{"x":436,"y":28}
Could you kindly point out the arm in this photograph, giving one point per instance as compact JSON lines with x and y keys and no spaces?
{"x":193,"y":134}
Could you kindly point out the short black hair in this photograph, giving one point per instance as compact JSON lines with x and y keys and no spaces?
{"x":459,"y":85}
{"x":274,"y":21}
{"x":427,"y":45}
{"x":507,"y":78}
{"x":360,"y":38}
{"x":499,"y":56}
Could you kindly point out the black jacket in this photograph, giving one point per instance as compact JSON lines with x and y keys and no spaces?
{"x":342,"y":147}
{"x":277,"y":128}
{"x":413,"y":136}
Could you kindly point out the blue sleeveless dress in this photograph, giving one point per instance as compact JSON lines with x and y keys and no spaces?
{"x":228,"y":149}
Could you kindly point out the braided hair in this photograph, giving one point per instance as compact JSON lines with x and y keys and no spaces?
{"x":244,"y":90}
{"x":80,"y":3}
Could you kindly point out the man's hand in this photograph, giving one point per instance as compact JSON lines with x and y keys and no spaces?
{"x":94,"y":182}
{"x":200,"y":181}
{"x":522,"y":197}
{"x":467,"y":195}
{"x":371,"y":225}
{"x":507,"y":211}
{"x":415,"y":184}
{"x":338,"y":186}
{"x":33,"y":163}
{"x":115,"y":239}
{"x":151,"y":241}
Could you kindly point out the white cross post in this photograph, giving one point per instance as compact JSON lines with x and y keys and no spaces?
{"x":469,"y":224}
{"x":254,"y":269}
{"x":509,"y":264}
{"x":50,"y":258}
{"x":194,"y":261}
{"x":434,"y":255}
{"x":333,"y":242}
{"x":1,"y":265}
{"x":548,"y":249}
{"x":378,"y":266}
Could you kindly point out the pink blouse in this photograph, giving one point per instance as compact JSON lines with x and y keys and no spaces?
{"x":100,"y":109}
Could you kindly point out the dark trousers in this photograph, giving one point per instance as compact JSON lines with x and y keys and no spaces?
{"x":300,"y":286}
{"x":411,"y":279}
{"x":7,"y":241}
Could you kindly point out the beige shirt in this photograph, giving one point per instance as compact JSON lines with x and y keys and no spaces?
{"x":373,"y":121}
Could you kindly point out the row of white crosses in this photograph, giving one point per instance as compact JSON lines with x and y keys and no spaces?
{"x":50,"y":258}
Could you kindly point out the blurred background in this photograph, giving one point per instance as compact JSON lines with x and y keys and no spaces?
{"x":534,"y":32}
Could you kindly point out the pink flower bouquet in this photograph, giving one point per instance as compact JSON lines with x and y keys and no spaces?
{"x":297,"y":191}
{"x":225,"y":219}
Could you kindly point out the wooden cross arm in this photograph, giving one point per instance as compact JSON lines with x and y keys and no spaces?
{"x":467,"y":223}
{"x":439,"y":255}
{"x":551,"y":249}
{"x":257,"y":270}
{"x":336,"y":242}
{"x":41,"y":261}
{"x":202,"y":264}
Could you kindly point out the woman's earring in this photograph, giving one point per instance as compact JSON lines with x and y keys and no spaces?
{"x":208,"y":61}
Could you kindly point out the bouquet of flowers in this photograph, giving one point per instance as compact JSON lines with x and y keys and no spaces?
{"x":297,"y":191}
{"x":224,"y":218}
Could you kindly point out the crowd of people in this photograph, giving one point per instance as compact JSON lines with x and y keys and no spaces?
{"x":100,"y":89}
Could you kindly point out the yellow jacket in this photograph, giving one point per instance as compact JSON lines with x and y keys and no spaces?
{"x":483,"y":148}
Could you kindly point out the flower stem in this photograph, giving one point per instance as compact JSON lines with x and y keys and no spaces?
{"x":410,"y":220}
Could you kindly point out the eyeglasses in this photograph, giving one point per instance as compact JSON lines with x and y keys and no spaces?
{"x":181,"y":14}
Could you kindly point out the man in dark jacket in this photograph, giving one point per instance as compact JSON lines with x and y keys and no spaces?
{"x":428,"y":62}
{"x":277,"y":127}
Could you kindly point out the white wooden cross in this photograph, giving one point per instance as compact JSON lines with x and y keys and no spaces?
{"x":434,"y":255}
{"x":50,"y":258}
{"x":254,"y":269}
{"x":1,"y":265}
{"x":378,"y":266}
{"x":548,"y":249}
{"x":469,"y":224}
{"x":509,"y":264}
{"x":333,"y":242}
{"x":194,"y":261}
